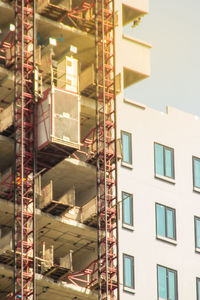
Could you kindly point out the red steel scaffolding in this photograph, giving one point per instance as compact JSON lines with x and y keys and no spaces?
{"x":103,"y":272}
{"x":104,"y":142}
{"x":24,"y":150}
{"x":106,"y":151}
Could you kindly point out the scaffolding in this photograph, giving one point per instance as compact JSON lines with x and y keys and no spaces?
{"x":98,"y":18}
{"x":106,"y":162}
{"x":103,"y":145}
{"x":24,"y":150}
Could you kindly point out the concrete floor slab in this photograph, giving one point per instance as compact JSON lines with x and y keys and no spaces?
{"x":64,"y":234}
{"x":48,"y":289}
{"x":72,"y":172}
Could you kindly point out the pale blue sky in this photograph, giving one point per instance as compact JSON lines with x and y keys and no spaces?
{"x":173,"y":29}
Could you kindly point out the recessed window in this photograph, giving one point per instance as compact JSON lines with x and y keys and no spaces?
{"x":198,"y":288}
{"x":127,"y":209}
{"x":167,"y":283}
{"x":165,"y":222}
{"x":164,"y":161}
{"x":197,"y":232}
{"x":128,"y":270}
{"x":126,"y":147}
{"x":196,"y":173}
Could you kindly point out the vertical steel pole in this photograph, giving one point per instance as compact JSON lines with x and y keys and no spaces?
{"x":104,"y":148}
{"x":22,"y":151}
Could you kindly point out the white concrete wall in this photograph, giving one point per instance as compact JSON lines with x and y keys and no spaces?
{"x":131,"y":54}
{"x":180,"y":131}
{"x":135,"y":55}
{"x":141,"y":5}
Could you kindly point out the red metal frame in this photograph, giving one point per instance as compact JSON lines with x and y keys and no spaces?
{"x":103,"y":272}
{"x":6,"y":186}
{"x":24,"y":150}
{"x":77,"y":12}
{"x":7,"y":49}
{"x":106,"y":151}
{"x":102,"y":141}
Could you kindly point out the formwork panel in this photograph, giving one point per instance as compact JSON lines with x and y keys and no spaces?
{"x":66,"y":116}
{"x":59,"y":119}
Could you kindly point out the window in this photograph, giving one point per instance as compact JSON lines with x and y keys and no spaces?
{"x":128,"y":270}
{"x":197,"y":232}
{"x":126,"y":147}
{"x":164,"y":161}
{"x":165,"y":222}
{"x":167,"y":283}
{"x":127,"y":209}
{"x":196,"y":173}
{"x":198,"y":288}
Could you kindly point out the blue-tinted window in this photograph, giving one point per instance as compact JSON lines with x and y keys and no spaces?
{"x":198,"y":288}
{"x":165,"y":222}
{"x":167,"y":283}
{"x":197,"y":232}
{"x":170,"y":216}
{"x":126,"y":147}
{"x":127,"y":209}
{"x":168,"y":163}
{"x":159,"y":157}
{"x":128,"y":266}
{"x":196,"y":172}
{"x":160,"y":220}
{"x":172,"y":284}
{"x":164,"y":161}
{"x":162,"y":282}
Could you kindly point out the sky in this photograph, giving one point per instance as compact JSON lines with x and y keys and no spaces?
{"x":172,"y":27}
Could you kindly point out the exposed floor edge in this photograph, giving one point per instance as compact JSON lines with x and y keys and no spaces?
{"x":62,"y":288}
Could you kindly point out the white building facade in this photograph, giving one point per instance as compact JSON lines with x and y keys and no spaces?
{"x":159,"y":185}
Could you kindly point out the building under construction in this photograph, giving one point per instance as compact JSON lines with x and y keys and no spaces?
{"x":64,"y":149}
